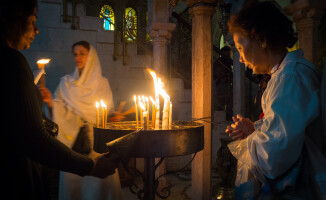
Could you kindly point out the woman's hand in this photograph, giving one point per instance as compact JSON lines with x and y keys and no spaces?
{"x":241,"y":128}
{"x":46,"y":96}
{"x":104,"y":164}
{"x":118,"y":116}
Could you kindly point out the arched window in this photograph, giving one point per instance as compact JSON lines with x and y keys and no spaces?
{"x":108,"y":14}
{"x":130,"y":24}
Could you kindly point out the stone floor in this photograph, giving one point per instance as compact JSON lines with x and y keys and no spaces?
{"x":180,"y":186}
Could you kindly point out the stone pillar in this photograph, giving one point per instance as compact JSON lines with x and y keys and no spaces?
{"x":159,"y":30}
{"x":201,"y":92}
{"x":306,"y":15}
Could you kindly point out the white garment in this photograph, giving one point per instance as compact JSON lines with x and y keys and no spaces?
{"x":74,"y":107}
{"x":75,"y":98}
{"x":73,"y":187}
{"x":291,"y":106}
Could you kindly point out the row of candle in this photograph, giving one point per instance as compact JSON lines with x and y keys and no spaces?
{"x":104,"y":115}
{"x":143,"y":105}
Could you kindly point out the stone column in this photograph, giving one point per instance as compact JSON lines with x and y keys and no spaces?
{"x":201,"y":92}
{"x":159,"y":30}
{"x":306,"y":15}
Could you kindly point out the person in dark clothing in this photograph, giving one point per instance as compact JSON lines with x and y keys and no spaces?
{"x":28,"y":148}
{"x":222,"y":80}
{"x":262,"y":80}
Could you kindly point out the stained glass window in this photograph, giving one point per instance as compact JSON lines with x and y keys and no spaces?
{"x":108,"y":14}
{"x":130,"y":24}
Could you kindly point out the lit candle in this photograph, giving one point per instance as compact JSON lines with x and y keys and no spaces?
{"x":103,"y":111}
{"x":97,"y":115}
{"x":136,"y":111}
{"x":165,"y":120}
{"x":105,"y":115}
{"x":153,"y":112}
{"x":157,"y":113}
{"x":141,"y":112}
{"x":170,"y":116}
{"x":40,"y":77}
{"x":147,"y":114}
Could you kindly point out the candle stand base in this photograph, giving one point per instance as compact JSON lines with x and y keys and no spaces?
{"x":122,"y":138}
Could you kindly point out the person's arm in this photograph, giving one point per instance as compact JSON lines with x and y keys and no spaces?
{"x":292,"y":104}
{"x":32,"y":139}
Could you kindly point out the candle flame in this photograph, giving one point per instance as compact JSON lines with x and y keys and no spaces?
{"x":103,"y":104}
{"x":154,"y":102}
{"x":43,"y":61}
{"x":97,"y":105}
{"x":135,"y":99}
{"x":143,"y":98}
{"x":142,"y":106}
{"x":159,"y":85}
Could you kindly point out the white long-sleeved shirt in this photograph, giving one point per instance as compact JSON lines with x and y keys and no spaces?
{"x":291,"y":103}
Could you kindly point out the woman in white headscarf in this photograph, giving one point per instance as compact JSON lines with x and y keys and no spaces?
{"x":73,"y":109}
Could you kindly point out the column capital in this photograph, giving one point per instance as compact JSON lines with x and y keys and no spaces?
{"x":202,"y":8}
{"x":161,"y":29}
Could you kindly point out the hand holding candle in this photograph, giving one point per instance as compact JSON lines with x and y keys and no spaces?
{"x":40,"y":74}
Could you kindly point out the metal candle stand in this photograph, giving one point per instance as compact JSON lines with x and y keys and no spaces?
{"x":183,"y":138}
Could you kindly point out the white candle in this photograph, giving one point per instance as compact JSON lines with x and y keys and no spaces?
{"x":165,"y":120}
{"x":170,"y":116}
{"x":147,"y":114}
{"x":40,"y":64}
{"x":145,"y":125}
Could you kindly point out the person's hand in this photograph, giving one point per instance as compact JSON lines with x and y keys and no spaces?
{"x":117,"y":117}
{"x":46,"y":96}
{"x":241,"y":128}
{"x":104,"y":164}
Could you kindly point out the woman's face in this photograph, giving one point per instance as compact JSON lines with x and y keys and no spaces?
{"x":80,"y":54}
{"x":252,"y":54}
{"x":29,"y":35}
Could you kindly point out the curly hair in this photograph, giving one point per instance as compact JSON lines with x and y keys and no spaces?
{"x":264,"y":21}
{"x":13,"y":18}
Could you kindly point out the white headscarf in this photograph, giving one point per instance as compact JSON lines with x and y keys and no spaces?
{"x":75,"y":98}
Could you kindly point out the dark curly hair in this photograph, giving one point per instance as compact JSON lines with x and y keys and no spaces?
{"x":13,"y":18}
{"x":264,"y":21}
